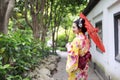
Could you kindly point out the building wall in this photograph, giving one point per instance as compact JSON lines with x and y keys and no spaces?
{"x":105,"y":11}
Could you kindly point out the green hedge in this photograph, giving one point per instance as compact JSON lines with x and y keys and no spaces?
{"x":62,"y":40}
{"x":19,"y":53}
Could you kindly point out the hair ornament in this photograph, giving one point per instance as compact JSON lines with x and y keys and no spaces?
{"x":80,"y":22}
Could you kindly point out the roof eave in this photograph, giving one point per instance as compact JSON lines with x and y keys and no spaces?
{"x":90,"y":6}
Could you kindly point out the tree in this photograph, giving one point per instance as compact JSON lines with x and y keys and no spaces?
{"x":36,"y":9}
{"x":6,"y":7}
{"x":60,"y":10}
{"x":44,"y":15}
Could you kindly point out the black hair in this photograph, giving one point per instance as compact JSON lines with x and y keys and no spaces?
{"x":81,"y":24}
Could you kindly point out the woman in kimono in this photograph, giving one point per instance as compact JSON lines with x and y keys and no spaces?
{"x":78,"y":53}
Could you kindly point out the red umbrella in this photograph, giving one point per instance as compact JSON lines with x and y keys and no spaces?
{"x":93,"y":33}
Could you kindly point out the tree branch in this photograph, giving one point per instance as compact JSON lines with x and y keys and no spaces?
{"x":26,"y":18}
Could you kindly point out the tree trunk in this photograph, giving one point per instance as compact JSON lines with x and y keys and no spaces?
{"x":67,"y":36}
{"x":36,"y":9}
{"x":6,"y":6}
{"x":53,"y":40}
{"x":36,"y":28}
{"x":43,"y":35}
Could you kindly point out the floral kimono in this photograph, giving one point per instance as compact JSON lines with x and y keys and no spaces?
{"x":78,"y":47}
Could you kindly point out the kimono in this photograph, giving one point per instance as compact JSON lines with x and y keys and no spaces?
{"x":78,"y":47}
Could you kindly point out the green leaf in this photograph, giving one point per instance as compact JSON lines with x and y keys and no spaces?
{"x":6,"y":66}
{"x":26,"y":79}
{"x":2,"y":50}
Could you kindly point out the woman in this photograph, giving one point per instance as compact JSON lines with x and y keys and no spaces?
{"x":78,"y":53}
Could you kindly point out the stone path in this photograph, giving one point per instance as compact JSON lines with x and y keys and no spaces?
{"x":62,"y":75}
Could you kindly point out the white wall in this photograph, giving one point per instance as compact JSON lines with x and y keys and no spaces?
{"x":104,"y":11}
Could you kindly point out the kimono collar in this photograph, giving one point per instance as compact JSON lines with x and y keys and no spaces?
{"x":81,"y":35}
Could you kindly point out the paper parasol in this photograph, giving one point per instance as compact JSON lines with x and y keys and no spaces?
{"x":92,"y":31}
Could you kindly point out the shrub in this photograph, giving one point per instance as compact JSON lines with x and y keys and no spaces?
{"x":62,"y":40}
{"x":19,"y":53}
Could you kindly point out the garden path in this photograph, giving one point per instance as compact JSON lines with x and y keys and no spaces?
{"x":62,"y":75}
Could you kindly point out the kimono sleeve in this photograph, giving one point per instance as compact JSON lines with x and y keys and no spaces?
{"x":72,"y":59}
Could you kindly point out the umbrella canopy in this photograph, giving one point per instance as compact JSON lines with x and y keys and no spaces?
{"x":92,"y":31}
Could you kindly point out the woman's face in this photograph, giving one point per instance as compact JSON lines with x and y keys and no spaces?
{"x":75,"y":28}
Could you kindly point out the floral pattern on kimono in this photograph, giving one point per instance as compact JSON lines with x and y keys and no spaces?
{"x":78,"y":47}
